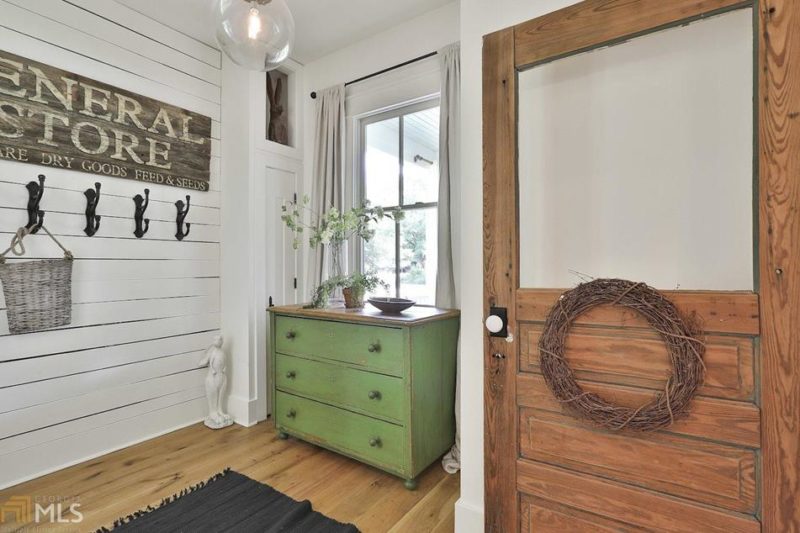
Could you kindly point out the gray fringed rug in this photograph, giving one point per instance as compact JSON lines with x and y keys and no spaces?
{"x":230,"y":502}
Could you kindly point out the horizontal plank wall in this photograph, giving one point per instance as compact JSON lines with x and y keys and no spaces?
{"x":144,"y":310}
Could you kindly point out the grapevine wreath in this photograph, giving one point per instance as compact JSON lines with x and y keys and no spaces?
{"x":681,"y":335}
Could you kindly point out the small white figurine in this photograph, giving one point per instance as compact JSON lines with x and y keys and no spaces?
{"x":216,"y":384}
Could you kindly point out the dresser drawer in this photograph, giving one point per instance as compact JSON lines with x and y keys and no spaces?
{"x":375,"y":348}
{"x":373,"y":441}
{"x":366,"y":392}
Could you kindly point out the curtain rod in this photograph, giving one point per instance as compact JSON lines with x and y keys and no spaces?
{"x":384,"y":71}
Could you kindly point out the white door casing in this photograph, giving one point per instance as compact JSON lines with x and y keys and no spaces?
{"x":277,"y":264}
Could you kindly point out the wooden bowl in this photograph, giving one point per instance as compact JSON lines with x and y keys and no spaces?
{"x":391,"y":306}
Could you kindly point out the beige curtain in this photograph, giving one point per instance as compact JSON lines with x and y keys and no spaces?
{"x":327,"y":186}
{"x":449,"y":154}
{"x":450,"y":104}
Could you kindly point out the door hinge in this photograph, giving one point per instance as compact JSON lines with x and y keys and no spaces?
{"x":295,"y":197}
{"x":295,"y":283}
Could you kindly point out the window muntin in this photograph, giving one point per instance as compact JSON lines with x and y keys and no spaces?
{"x":399,"y":157}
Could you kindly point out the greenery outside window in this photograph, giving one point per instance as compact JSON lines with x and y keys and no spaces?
{"x":399,"y":169}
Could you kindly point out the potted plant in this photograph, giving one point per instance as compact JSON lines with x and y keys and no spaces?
{"x":333,"y":229}
{"x":355,"y":286}
{"x":323,"y":292}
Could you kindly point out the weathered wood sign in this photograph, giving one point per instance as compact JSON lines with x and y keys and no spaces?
{"x":54,"y":118}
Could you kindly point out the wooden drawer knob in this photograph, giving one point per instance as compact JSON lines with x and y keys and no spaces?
{"x":374,"y":347}
{"x":374,"y":395}
{"x":292,"y":413}
{"x":291,"y":335}
{"x":375,"y":442}
{"x":291,"y":374}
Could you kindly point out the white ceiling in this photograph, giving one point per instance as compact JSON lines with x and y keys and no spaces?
{"x":323,"y":26}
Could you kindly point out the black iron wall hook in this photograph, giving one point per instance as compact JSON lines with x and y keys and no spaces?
{"x":35,"y":215}
{"x":142,"y":224}
{"x":183,"y":210}
{"x":92,"y":220}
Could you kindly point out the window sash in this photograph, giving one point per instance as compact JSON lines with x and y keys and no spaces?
{"x":400,"y":113}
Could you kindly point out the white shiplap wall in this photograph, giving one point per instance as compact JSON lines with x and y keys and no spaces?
{"x":144,"y":310}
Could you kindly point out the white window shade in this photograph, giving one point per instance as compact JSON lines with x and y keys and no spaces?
{"x":636,"y":161}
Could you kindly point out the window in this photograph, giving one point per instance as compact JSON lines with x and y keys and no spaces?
{"x":399,"y":158}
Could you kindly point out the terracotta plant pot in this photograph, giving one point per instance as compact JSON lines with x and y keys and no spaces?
{"x":353,"y":299}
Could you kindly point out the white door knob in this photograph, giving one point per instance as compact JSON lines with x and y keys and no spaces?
{"x":494,"y":324}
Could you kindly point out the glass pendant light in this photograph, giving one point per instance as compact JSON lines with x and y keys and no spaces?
{"x":255,"y":34}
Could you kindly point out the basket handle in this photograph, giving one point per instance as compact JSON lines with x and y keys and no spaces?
{"x":18,"y":248}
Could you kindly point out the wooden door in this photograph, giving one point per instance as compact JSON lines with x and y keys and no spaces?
{"x":732,"y":464}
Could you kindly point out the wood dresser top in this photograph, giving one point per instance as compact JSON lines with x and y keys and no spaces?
{"x":370,"y":315}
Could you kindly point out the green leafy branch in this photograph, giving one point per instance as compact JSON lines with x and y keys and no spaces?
{"x":333,"y":227}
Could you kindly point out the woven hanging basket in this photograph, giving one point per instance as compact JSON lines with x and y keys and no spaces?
{"x":38,"y":293}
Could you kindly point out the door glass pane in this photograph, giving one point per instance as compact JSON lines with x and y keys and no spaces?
{"x":421,"y":156}
{"x":636,"y":161}
{"x":382,"y":163}
{"x":418,"y":244}
{"x":379,"y":256}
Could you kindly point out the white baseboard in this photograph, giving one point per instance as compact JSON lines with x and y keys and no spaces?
{"x":469,"y":517}
{"x":244,"y":411}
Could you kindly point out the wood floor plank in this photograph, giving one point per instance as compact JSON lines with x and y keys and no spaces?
{"x":354,"y":476}
{"x":119,"y":483}
{"x":389,"y":501}
{"x":140,"y":463}
{"x":432,"y":510}
{"x":155,"y":472}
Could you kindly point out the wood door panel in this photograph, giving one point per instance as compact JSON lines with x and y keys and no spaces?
{"x":596,"y":22}
{"x":639,"y":358}
{"x":711,"y":473}
{"x":500,"y":276}
{"x":617,"y":501}
{"x":745,"y":375}
{"x":779,"y":258}
{"x":723,"y":421}
{"x":543,"y":516}
{"x":719,"y":312}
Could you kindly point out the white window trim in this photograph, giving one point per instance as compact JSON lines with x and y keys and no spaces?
{"x":359,"y":172}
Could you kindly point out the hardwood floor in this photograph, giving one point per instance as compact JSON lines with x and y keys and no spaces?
{"x":122,"y":482}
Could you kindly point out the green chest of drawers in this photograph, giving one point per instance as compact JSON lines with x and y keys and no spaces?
{"x":377,"y":388}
